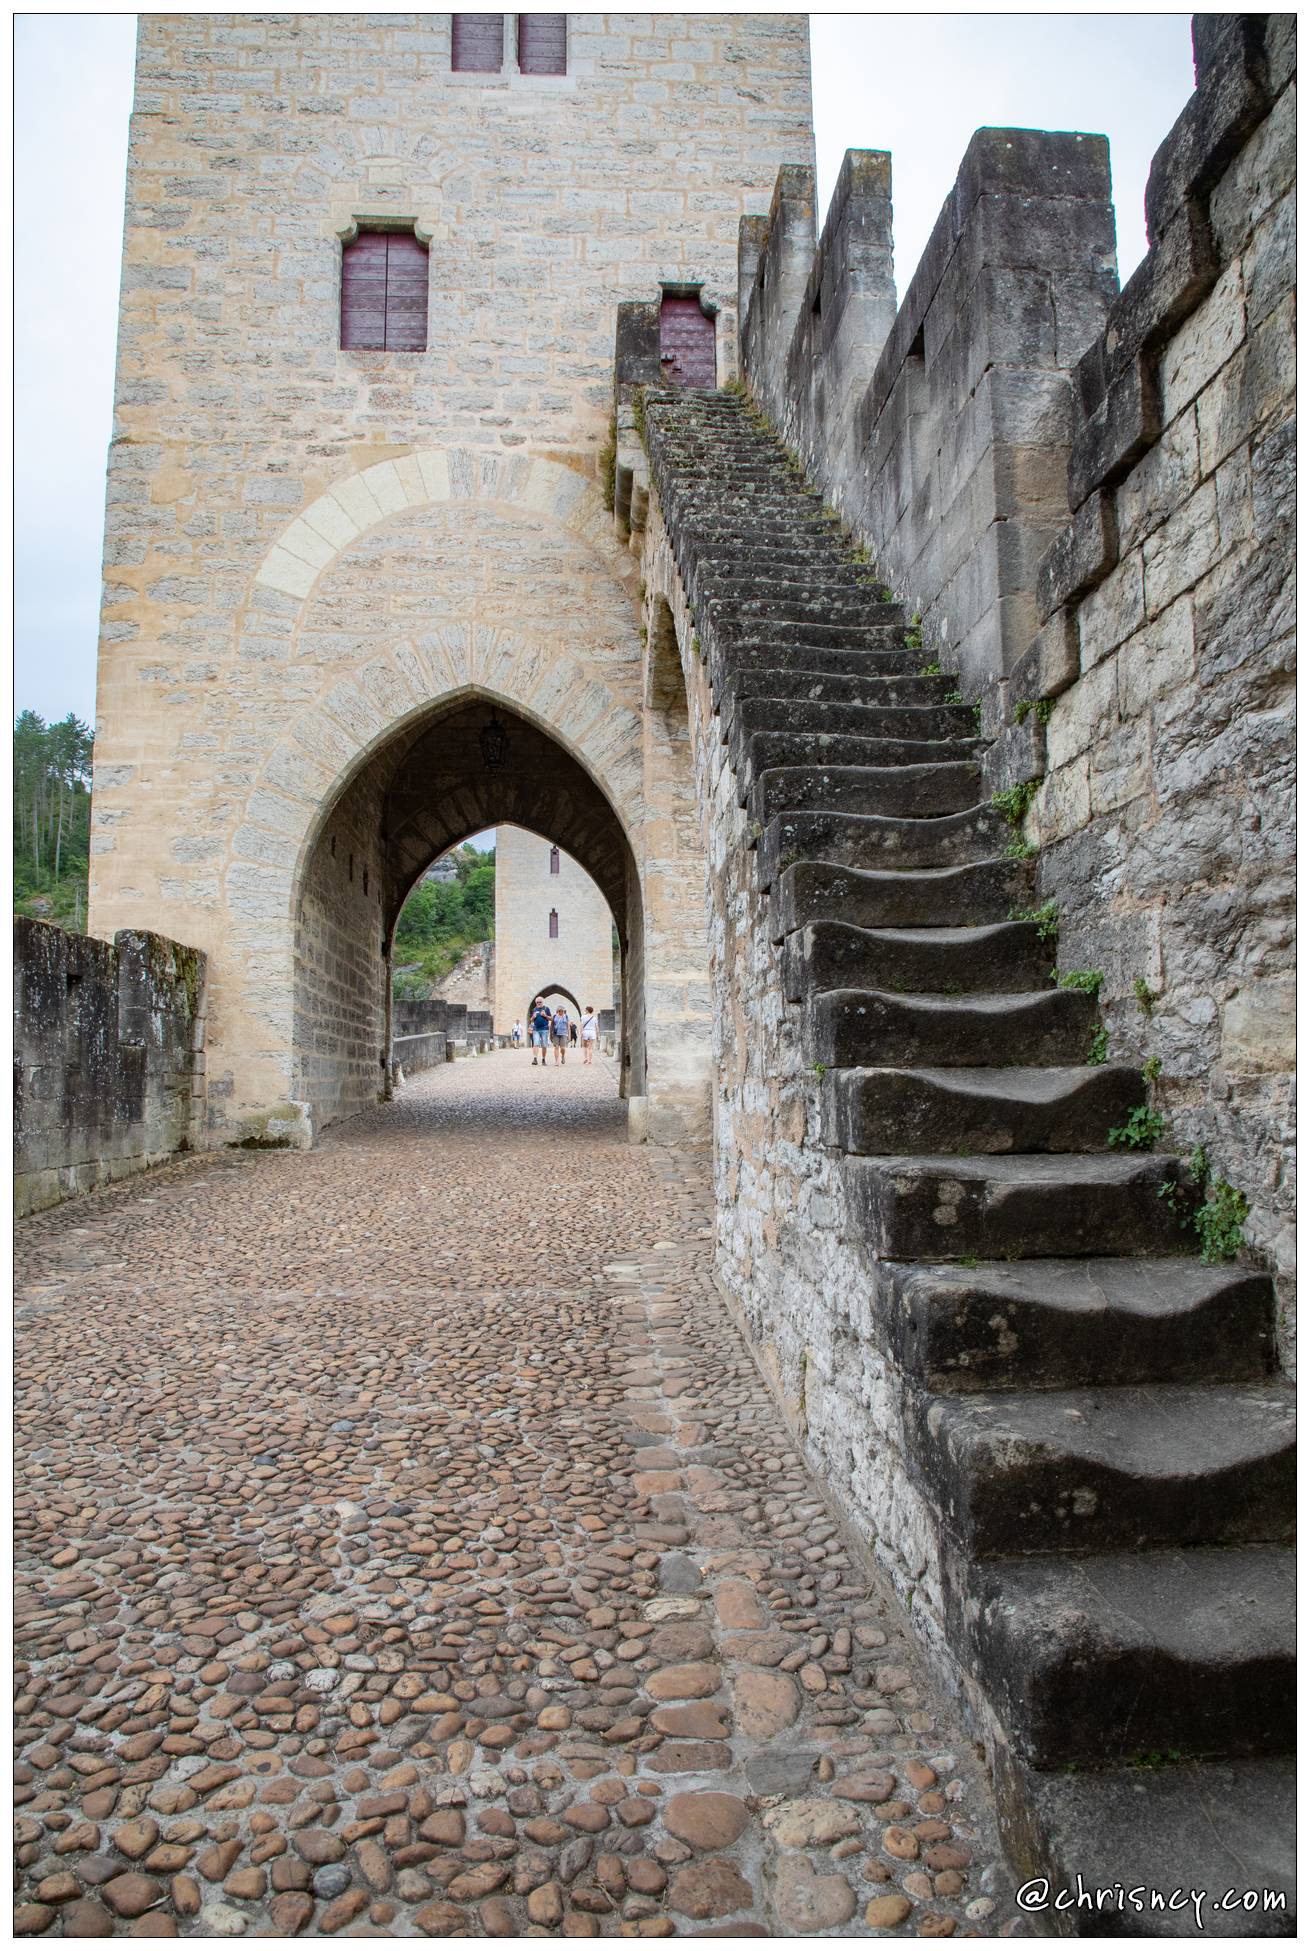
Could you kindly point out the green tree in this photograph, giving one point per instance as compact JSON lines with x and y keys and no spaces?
{"x":52,"y":816}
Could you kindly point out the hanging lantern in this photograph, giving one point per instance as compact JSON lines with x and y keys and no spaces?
{"x":494,"y":741}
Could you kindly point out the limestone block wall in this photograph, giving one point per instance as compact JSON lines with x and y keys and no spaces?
{"x":308,"y":548}
{"x":418,"y":1034}
{"x":1165,"y":814}
{"x":580,"y":959}
{"x":941,"y":430}
{"x":109,"y":1062}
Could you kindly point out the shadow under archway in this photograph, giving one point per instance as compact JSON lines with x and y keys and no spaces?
{"x":425,"y":791}
{"x":549,"y":989}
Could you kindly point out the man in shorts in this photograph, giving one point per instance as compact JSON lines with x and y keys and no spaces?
{"x":539,"y":1025}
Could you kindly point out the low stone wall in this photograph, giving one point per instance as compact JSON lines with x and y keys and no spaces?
{"x":109,"y":1063}
{"x":939,"y":431}
{"x":1165,"y":662}
{"x":425,"y":1033}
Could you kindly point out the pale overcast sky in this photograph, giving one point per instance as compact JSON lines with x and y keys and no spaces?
{"x":917,"y":84}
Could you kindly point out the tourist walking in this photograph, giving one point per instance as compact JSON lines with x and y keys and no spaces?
{"x":559,"y":1032}
{"x":539,"y":1024}
{"x":516,"y":1035}
{"x":573,"y":1032}
{"x":590,"y":1027}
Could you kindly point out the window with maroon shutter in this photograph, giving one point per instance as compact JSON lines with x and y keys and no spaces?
{"x":384,"y":293}
{"x":554,"y":925}
{"x":543,"y":44}
{"x":686,"y":343}
{"x":554,"y":860}
{"x":477,"y":43}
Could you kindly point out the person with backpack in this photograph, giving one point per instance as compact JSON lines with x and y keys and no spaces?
{"x":559,"y":1032}
{"x":539,"y":1024}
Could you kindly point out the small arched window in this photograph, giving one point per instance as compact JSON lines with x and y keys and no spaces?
{"x":554,"y":860}
{"x":384,"y":292}
{"x":554,"y":925}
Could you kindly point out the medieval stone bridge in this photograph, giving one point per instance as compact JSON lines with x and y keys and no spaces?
{"x":485,"y":1522}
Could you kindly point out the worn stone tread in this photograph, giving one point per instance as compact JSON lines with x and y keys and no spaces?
{"x":1232,"y":1823}
{"x":1061,"y":1323}
{"x":1113,"y":1469}
{"x":998,"y":1110}
{"x":1131,"y":1654}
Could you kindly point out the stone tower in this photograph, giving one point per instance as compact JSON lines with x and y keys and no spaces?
{"x":554,"y":931}
{"x":357,"y":494}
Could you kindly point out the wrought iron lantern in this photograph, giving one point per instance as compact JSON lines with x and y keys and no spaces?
{"x":494,"y":741}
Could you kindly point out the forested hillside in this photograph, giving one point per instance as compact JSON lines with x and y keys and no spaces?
{"x":52,"y":818}
{"x":441,"y":919}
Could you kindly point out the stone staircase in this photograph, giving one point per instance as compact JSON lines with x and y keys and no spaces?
{"x":1094,"y":1414}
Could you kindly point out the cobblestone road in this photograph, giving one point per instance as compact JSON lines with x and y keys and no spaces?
{"x":408,"y":1546}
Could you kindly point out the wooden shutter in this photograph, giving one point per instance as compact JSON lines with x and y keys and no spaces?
{"x":384,"y":293}
{"x":364,"y":292}
{"x":407,"y":294}
{"x":554,"y":860}
{"x":543,"y":44}
{"x":554,"y":925}
{"x":477,"y":43}
{"x":686,"y":344}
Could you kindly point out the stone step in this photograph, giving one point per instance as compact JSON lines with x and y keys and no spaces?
{"x":1055,"y":1324}
{"x":849,"y":1028}
{"x":803,"y":609}
{"x":735,"y":658}
{"x":1139,"y":1655}
{"x":998,"y":956}
{"x":904,"y":784}
{"x":1093,"y":1470}
{"x":730,"y":627}
{"x":842,"y":718}
{"x":1027,"y":1207}
{"x":782,"y":582}
{"x":800,"y":687}
{"x":745,"y":559}
{"x":874,"y":840}
{"x":1213,"y":1827}
{"x":927,"y":897}
{"x":742,"y":511}
{"x":970,"y":1111}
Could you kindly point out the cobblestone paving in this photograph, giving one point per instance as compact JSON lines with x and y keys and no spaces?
{"x":407,"y":1545}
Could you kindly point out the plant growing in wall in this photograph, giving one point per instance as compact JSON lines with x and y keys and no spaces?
{"x":1045,"y":919}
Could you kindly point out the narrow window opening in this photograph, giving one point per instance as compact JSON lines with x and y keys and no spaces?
{"x":554,"y":860}
{"x":543,"y":44}
{"x":384,"y":293}
{"x":916,"y":350}
{"x":477,"y":43}
{"x":554,"y":925}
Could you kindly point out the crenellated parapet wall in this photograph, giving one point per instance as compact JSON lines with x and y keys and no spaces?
{"x":1164,"y":664}
{"x":109,"y":1058}
{"x":940,"y":431}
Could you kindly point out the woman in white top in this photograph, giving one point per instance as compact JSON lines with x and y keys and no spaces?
{"x":588,"y":1035}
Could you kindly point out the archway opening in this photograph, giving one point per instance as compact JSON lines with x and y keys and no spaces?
{"x":468,"y":765}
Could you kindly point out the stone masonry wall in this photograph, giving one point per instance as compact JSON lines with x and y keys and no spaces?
{"x":1165,"y":817}
{"x":940,"y":431}
{"x":273,"y":499}
{"x":109,"y":1063}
